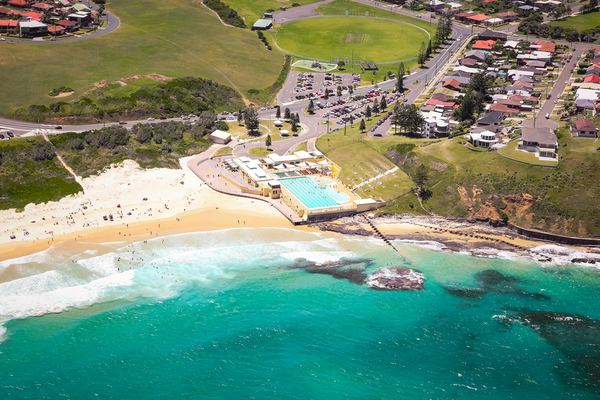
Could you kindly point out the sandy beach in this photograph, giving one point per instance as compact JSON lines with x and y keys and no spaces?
{"x":177,"y":202}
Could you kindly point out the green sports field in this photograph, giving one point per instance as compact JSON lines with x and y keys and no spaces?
{"x":370,"y":39}
{"x":581,"y":22}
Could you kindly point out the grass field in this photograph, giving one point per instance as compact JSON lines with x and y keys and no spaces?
{"x":169,"y":37}
{"x":581,"y":22}
{"x":370,"y":39}
{"x":253,"y":9}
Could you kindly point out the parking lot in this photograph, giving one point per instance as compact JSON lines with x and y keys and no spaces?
{"x":303,"y":85}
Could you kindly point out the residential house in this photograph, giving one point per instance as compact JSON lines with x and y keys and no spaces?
{"x":440,"y":97}
{"x":452,"y":84}
{"x":485,"y":45}
{"x":434,"y":5}
{"x":547,"y":5}
{"x":521,"y":83}
{"x":220,"y":137}
{"x":511,"y":44}
{"x":65,"y":3}
{"x":33,"y":28}
{"x":544,"y":45}
{"x":436,"y":125}
{"x":491,"y":121}
{"x":70,"y":26}
{"x":33,"y":16}
{"x":492,"y":35}
{"x":492,"y":22}
{"x":478,"y":19}
{"x":463,"y":16}
{"x":8,"y":26}
{"x":508,"y":16}
{"x":56,"y":30}
{"x":462,"y":73}
{"x":592,"y":79}
{"x":17,"y":3}
{"x":524,"y":11}
{"x":477,"y":55}
{"x":42,"y":7}
{"x":597,"y":52}
{"x":511,"y":103}
{"x":84,"y":18}
{"x":482,"y":138}
{"x":463,"y":82}
{"x":503,"y":109}
{"x":469,"y":62}
{"x":446,"y":106}
{"x":540,"y":141}
{"x":584,"y":128}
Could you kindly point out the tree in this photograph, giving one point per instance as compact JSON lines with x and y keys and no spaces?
{"x":341,"y":64}
{"x":408,"y":118}
{"x":376,"y":107}
{"x":422,"y":57}
{"x":296,"y":118}
{"x":268,"y":141}
{"x":368,"y":112}
{"x":429,"y":49}
{"x":351,"y":120}
{"x":278,"y":112}
{"x":383,"y":104}
{"x":421,"y":176}
{"x":339,"y":92}
{"x":400,"y":77}
{"x":363,"y":126}
{"x":326,"y":94}
{"x":294,"y":127}
{"x":240,"y":117}
{"x":286,"y":113}
{"x":311,"y":107}
{"x":251,"y":119}
{"x":350,"y":89}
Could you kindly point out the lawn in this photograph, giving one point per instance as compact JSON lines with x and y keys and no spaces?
{"x":169,"y":37}
{"x":580,"y":22}
{"x":301,"y":147}
{"x":253,"y":10}
{"x":511,"y":152}
{"x":352,"y":38}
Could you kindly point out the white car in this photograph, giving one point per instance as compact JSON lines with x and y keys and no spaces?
{"x":150,"y":119}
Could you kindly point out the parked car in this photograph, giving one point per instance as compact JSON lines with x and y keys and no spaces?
{"x":122,"y":123}
{"x":58,"y":127}
{"x":150,"y":119}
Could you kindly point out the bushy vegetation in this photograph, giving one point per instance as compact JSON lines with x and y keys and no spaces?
{"x":31,"y":173}
{"x":171,"y":98}
{"x":227,"y":14}
{"x":150,"y":145}
{"x":62,"y":89}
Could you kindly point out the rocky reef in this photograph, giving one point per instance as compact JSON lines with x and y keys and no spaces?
{"x":397,"y":278}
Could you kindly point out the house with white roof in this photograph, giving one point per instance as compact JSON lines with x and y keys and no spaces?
{"x":220,"y":137}
{"x":436,"y":125}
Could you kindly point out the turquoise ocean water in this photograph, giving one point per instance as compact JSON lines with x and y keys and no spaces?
{"x":232,"y":315}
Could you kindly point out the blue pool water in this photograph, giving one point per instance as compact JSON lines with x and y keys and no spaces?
{"x":313,"y":195}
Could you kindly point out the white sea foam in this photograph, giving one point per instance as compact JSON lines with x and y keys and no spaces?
{"x":427,"y":244}
{"x":317,"y":257}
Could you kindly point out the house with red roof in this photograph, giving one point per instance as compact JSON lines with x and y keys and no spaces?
{"x":70,"y":26}
{"x":592,"y":79}
{"x":546,"y":46}
{"x":485,"y":45}
{"x":32,"y":15}
{"x":463,"y":16}
{"x":584,"y":128}
{"x":8,"y":26}
{"x":452,"y":84}
{"x":42,"y":7}
{"x":478,"y":18}
{"x":56,"y":30}
{"x":508,"y":16}
{"x":17,"y":3}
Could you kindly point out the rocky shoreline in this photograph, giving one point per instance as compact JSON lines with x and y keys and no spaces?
{"x":474,"y":236}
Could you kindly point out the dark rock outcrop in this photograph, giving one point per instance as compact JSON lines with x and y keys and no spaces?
{"x":397,"y":278}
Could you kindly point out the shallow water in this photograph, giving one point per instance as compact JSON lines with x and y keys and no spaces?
{"x":231,"y":314}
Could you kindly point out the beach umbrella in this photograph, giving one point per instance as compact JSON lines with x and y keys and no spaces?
{"x":285,"y":132}
{"x":278,"y":122}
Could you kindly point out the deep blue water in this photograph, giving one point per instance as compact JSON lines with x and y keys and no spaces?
{"x":226,"y":315}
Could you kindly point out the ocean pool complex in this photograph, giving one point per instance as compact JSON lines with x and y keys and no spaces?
{"x":305,"y":181}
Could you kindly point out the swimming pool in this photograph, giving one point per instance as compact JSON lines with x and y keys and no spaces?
{"x":312,"y":194}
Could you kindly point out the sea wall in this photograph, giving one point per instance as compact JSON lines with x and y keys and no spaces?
{"x":553,"y":237}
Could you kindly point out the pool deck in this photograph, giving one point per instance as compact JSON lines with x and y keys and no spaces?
{"x":208,"y":171}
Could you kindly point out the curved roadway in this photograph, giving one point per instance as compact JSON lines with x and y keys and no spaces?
{"x":113,"y":24}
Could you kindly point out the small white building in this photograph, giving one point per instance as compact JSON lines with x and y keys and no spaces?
{"x":220,"y":137}
{"x":483,"y":139}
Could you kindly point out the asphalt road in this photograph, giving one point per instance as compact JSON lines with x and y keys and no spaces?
{"x":113,"y":24}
